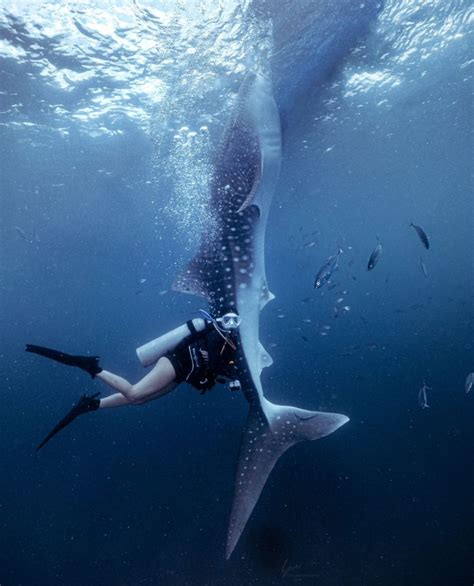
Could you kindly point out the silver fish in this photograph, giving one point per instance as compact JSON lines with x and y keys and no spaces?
{"x":469,"y":382}
{"x":422,"y":235}
{"x":375,"y":256}
{"x":422,"y":396}
{"x":423,"y":267}
{"x":20,"y":232}
{"x":325,"y":272}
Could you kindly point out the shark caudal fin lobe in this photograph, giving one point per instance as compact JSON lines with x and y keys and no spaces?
{"x":267,"y":435}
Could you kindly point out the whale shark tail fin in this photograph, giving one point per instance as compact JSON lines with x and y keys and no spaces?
{"x":267,"y":435}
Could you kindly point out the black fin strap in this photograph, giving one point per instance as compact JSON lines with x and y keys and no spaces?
{"x":191,"y":327}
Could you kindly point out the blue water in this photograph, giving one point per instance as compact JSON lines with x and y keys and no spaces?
{"x":110,"y":114}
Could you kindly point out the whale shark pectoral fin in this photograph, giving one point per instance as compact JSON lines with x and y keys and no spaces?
{"x":267,"y":435}
{"x":252,"y":197}
{"x":192,"y":279}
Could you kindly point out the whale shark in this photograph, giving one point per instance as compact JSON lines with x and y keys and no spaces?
{"x":228,"y":270}
{"x":309,"y":41}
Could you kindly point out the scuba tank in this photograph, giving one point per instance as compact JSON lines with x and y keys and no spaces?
{"x":152,"y":351}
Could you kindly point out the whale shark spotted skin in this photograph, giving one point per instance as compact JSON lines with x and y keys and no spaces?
{"x":229,"y":271}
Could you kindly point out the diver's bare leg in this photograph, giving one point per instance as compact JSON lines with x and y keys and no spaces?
{"x":159,"y":381}
{"x":156,"y":383}
{"x":115,"y":400}
{"x":119,"y":400}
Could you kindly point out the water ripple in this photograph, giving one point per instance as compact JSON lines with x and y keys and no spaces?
{"x":172,"y":68}
{"x":409,"y":37}
{"x":103,"y":61}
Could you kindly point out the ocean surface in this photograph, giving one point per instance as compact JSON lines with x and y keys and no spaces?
{"x":111,"y":113}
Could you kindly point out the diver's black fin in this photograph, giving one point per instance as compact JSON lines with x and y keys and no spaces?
{"x":85,"y":404}
{"x":88,"y":363}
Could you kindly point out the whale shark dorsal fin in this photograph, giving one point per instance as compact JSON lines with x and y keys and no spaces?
{"x":265,"y":359}
{"x":266,"y":295}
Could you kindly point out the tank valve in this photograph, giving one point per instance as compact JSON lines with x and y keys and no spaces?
{"x":235,"y":385}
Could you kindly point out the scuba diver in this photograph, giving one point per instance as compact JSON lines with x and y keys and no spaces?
{"x":200,"y":352}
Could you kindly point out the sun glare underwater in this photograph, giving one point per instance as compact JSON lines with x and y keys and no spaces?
{"x":112,"y":117}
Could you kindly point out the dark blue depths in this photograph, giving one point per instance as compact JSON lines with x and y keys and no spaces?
{"x":142,"y":495}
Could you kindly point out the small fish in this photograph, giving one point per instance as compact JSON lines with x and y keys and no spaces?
{"x":325,"y":272}
{"x":304,"y":338}
{"x":422,"y":235}
{"x":422,"y":396}
{"x":20,"y":232}
{"x":469,"y":382}
{"x":375,"y":256}
{"x":423,"y":267}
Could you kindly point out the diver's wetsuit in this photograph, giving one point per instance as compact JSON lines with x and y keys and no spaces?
{"x":203,"y":356}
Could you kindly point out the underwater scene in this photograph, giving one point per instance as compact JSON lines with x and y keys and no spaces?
{"x":249,"y":223}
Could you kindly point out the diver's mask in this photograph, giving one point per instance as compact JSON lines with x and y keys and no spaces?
{"x":229,"y":321}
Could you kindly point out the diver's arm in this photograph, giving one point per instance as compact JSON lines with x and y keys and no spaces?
{"x":151,"y":352}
